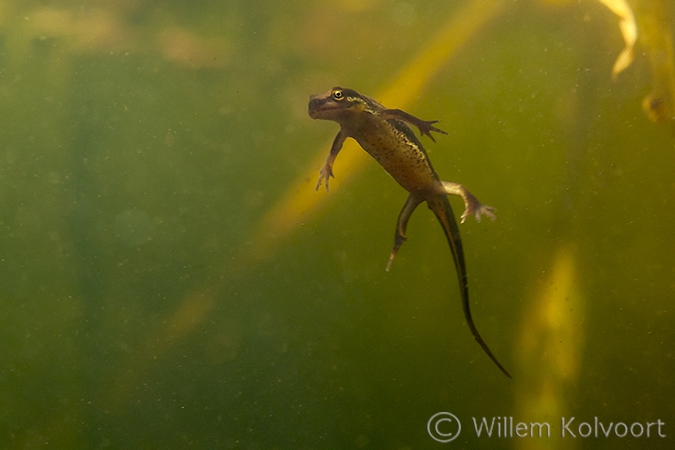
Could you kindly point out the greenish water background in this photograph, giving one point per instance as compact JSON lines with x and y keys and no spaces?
{"x":143,"y":143}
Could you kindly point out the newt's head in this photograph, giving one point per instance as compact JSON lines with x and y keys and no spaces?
{"x":338,"y":104}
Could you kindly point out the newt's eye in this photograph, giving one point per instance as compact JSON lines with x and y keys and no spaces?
{"x":338,"y":95}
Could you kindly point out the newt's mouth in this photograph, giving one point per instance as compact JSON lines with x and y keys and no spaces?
{"x":319,"y":107}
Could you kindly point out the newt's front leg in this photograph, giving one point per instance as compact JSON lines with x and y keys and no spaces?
{"x":425,"y":126}
{"x":326,"y":171}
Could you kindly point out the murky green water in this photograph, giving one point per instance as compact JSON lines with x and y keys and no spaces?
{"x":147,"y":301}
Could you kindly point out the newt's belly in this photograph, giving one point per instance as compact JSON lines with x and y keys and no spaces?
{"x":406,"y":163}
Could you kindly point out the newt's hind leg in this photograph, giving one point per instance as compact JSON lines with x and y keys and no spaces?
{"x":472,"y":207}
{"x":399,"y":237}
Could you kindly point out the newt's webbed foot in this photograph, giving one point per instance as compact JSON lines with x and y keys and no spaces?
{"x":325,"y":175}
{"x":399,"y":237}
{"x":477,"y":209}
{"x":427,"y":126}
{"x":472,"y":207}
{"x":398,"y":241}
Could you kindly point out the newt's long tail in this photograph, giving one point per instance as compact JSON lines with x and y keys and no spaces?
{"x":441,"y":208}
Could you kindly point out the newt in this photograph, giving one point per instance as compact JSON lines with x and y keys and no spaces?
{"x":385,"y":135}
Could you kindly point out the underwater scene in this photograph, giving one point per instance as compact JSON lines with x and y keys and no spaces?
{"x":172,"y":276}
